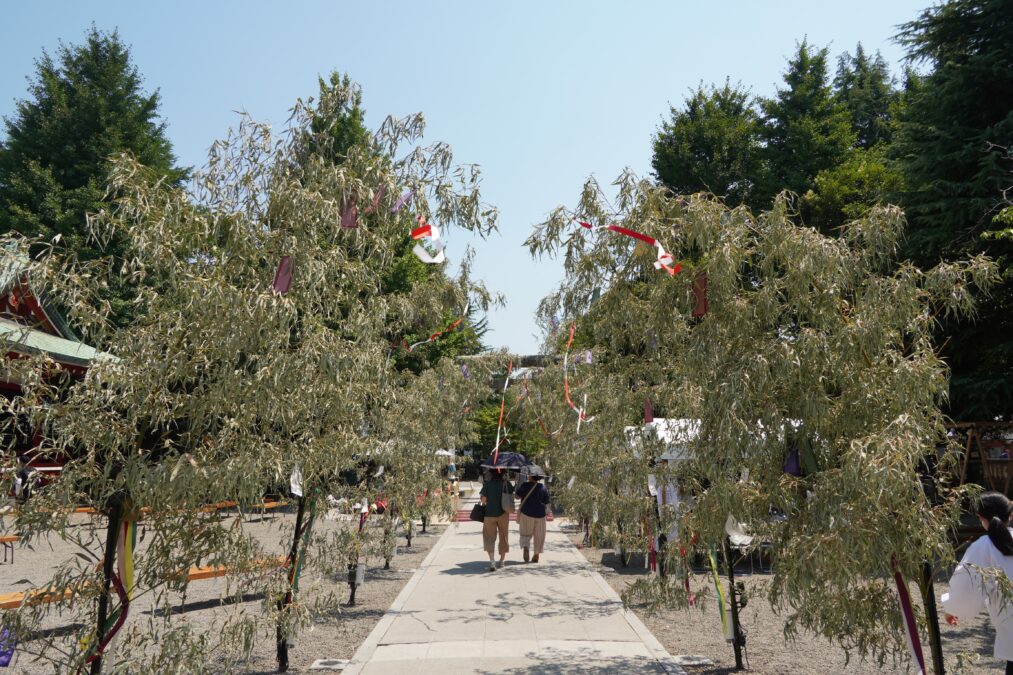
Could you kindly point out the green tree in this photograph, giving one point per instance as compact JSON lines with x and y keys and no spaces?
{"x":85,"y":105}
{"x":806,"y":128}
{"x":846,"y":191}
{"x":710,"y":145}
{"x":864,"y":86}
{"x":951,"y":144}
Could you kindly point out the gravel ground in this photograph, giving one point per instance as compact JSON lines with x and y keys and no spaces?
{"x":333,"y":636}
{"x":699,"y":633}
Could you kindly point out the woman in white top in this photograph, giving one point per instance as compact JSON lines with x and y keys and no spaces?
{"x":973,"y":586}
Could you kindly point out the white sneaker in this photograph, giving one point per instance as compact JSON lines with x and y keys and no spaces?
{"x":492,"y":566}
{"x":499,"y":565}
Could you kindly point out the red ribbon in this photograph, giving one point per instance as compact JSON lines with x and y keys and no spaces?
{"x":120,"y":620}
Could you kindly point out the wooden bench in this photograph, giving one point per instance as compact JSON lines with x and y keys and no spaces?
{"x":34,"y":597}
{"x":8,"y":544}
{"x":43,"y":596}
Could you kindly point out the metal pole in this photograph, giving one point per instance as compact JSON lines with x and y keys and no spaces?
{"x":287,"y":600}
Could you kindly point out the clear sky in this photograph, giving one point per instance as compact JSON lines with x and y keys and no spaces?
{"x":540,"y":94}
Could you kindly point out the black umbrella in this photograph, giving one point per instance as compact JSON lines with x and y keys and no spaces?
{"x":506,"y":460}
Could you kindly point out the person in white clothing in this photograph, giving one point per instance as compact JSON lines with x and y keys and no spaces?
{"x":973,"y":586}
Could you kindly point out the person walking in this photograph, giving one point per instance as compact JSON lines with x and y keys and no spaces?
{"x":496,"y":493}
{"x":974,"y":586}
{"x":531,"y":516}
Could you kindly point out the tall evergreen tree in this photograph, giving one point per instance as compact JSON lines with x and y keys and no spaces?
{"x":711,"y":144}
{"x":952,"y":144}
{"x":806,"y":129}
{"x":864,"y":86}
{"x":84,"y":105}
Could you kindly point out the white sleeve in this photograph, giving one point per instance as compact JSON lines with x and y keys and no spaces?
{"x":966,"y":598}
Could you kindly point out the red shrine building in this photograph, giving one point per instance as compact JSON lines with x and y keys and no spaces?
{"x":30,"y":326}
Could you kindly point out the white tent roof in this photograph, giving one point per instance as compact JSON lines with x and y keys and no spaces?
{"x":675,"y":432}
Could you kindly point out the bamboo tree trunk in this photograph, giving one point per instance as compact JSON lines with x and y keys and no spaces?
{"x":287,"y":600}
{"x":932,"y":619}
{"x":733,"y":607}
{"x":112,"y":532}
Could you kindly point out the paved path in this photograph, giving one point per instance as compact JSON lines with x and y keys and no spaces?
{"x":557,"y":617}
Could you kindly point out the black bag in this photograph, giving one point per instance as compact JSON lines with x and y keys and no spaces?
{"x":478,"y":513}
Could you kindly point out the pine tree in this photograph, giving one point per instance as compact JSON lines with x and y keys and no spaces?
{"x":710,"y":145}
{"x":952,"y":144}
{"x":85,"y":105}
{"x":806,"y":129}
{"x":864,"y":86}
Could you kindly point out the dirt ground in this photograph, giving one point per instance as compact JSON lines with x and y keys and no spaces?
{"x":336,"y":636}
{"x":695,"y":632}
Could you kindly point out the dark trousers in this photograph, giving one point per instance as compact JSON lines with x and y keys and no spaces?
{"x":1009,"y":668}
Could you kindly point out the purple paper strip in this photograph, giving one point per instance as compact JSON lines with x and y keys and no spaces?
{"x":465,"y":371}
{"x":7,"y":645}
{"x":401,"y":201}
{"x":283,"y":277}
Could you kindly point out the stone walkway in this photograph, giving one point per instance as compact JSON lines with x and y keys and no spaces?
{"x":557,"y":616}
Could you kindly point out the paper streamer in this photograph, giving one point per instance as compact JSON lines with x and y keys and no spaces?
{"x":449,"y":329}
{"x":295,"y":481}
{"x":502,"y":407}
{"x":914,"y":643}
{"x":7,"y":647}
{"x":283,"y":275}
{"x":349,"y":214}
{"x":700,"y":296}
{"x":125,"y":546}
{"x":581,"y":416}
{"x":115,"y":621}
{"x":376,"y":200}
{"x":664,"y":260}
{"x":429,"y":230}
{"x":725,"y":627}
{"x":401,"y":201}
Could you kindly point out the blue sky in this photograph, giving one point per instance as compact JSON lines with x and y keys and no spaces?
{"x":539,"y":94}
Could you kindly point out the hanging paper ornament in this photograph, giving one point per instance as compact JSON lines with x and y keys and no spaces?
{"x":465,"y":371}
{"x":283,"y":275}
{"x":648,"y":411}
{"x":295,"y":481}
{"x":376,"y":200}
{"x":664,"y":260}
{"x":349,"y":214}
{"x":401,"y":201}
{"x":429,"y":230}
{"x":700,"y":295}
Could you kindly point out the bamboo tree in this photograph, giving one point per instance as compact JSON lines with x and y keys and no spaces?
{"x":823,"y":342}
{"x":227,"y":379}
